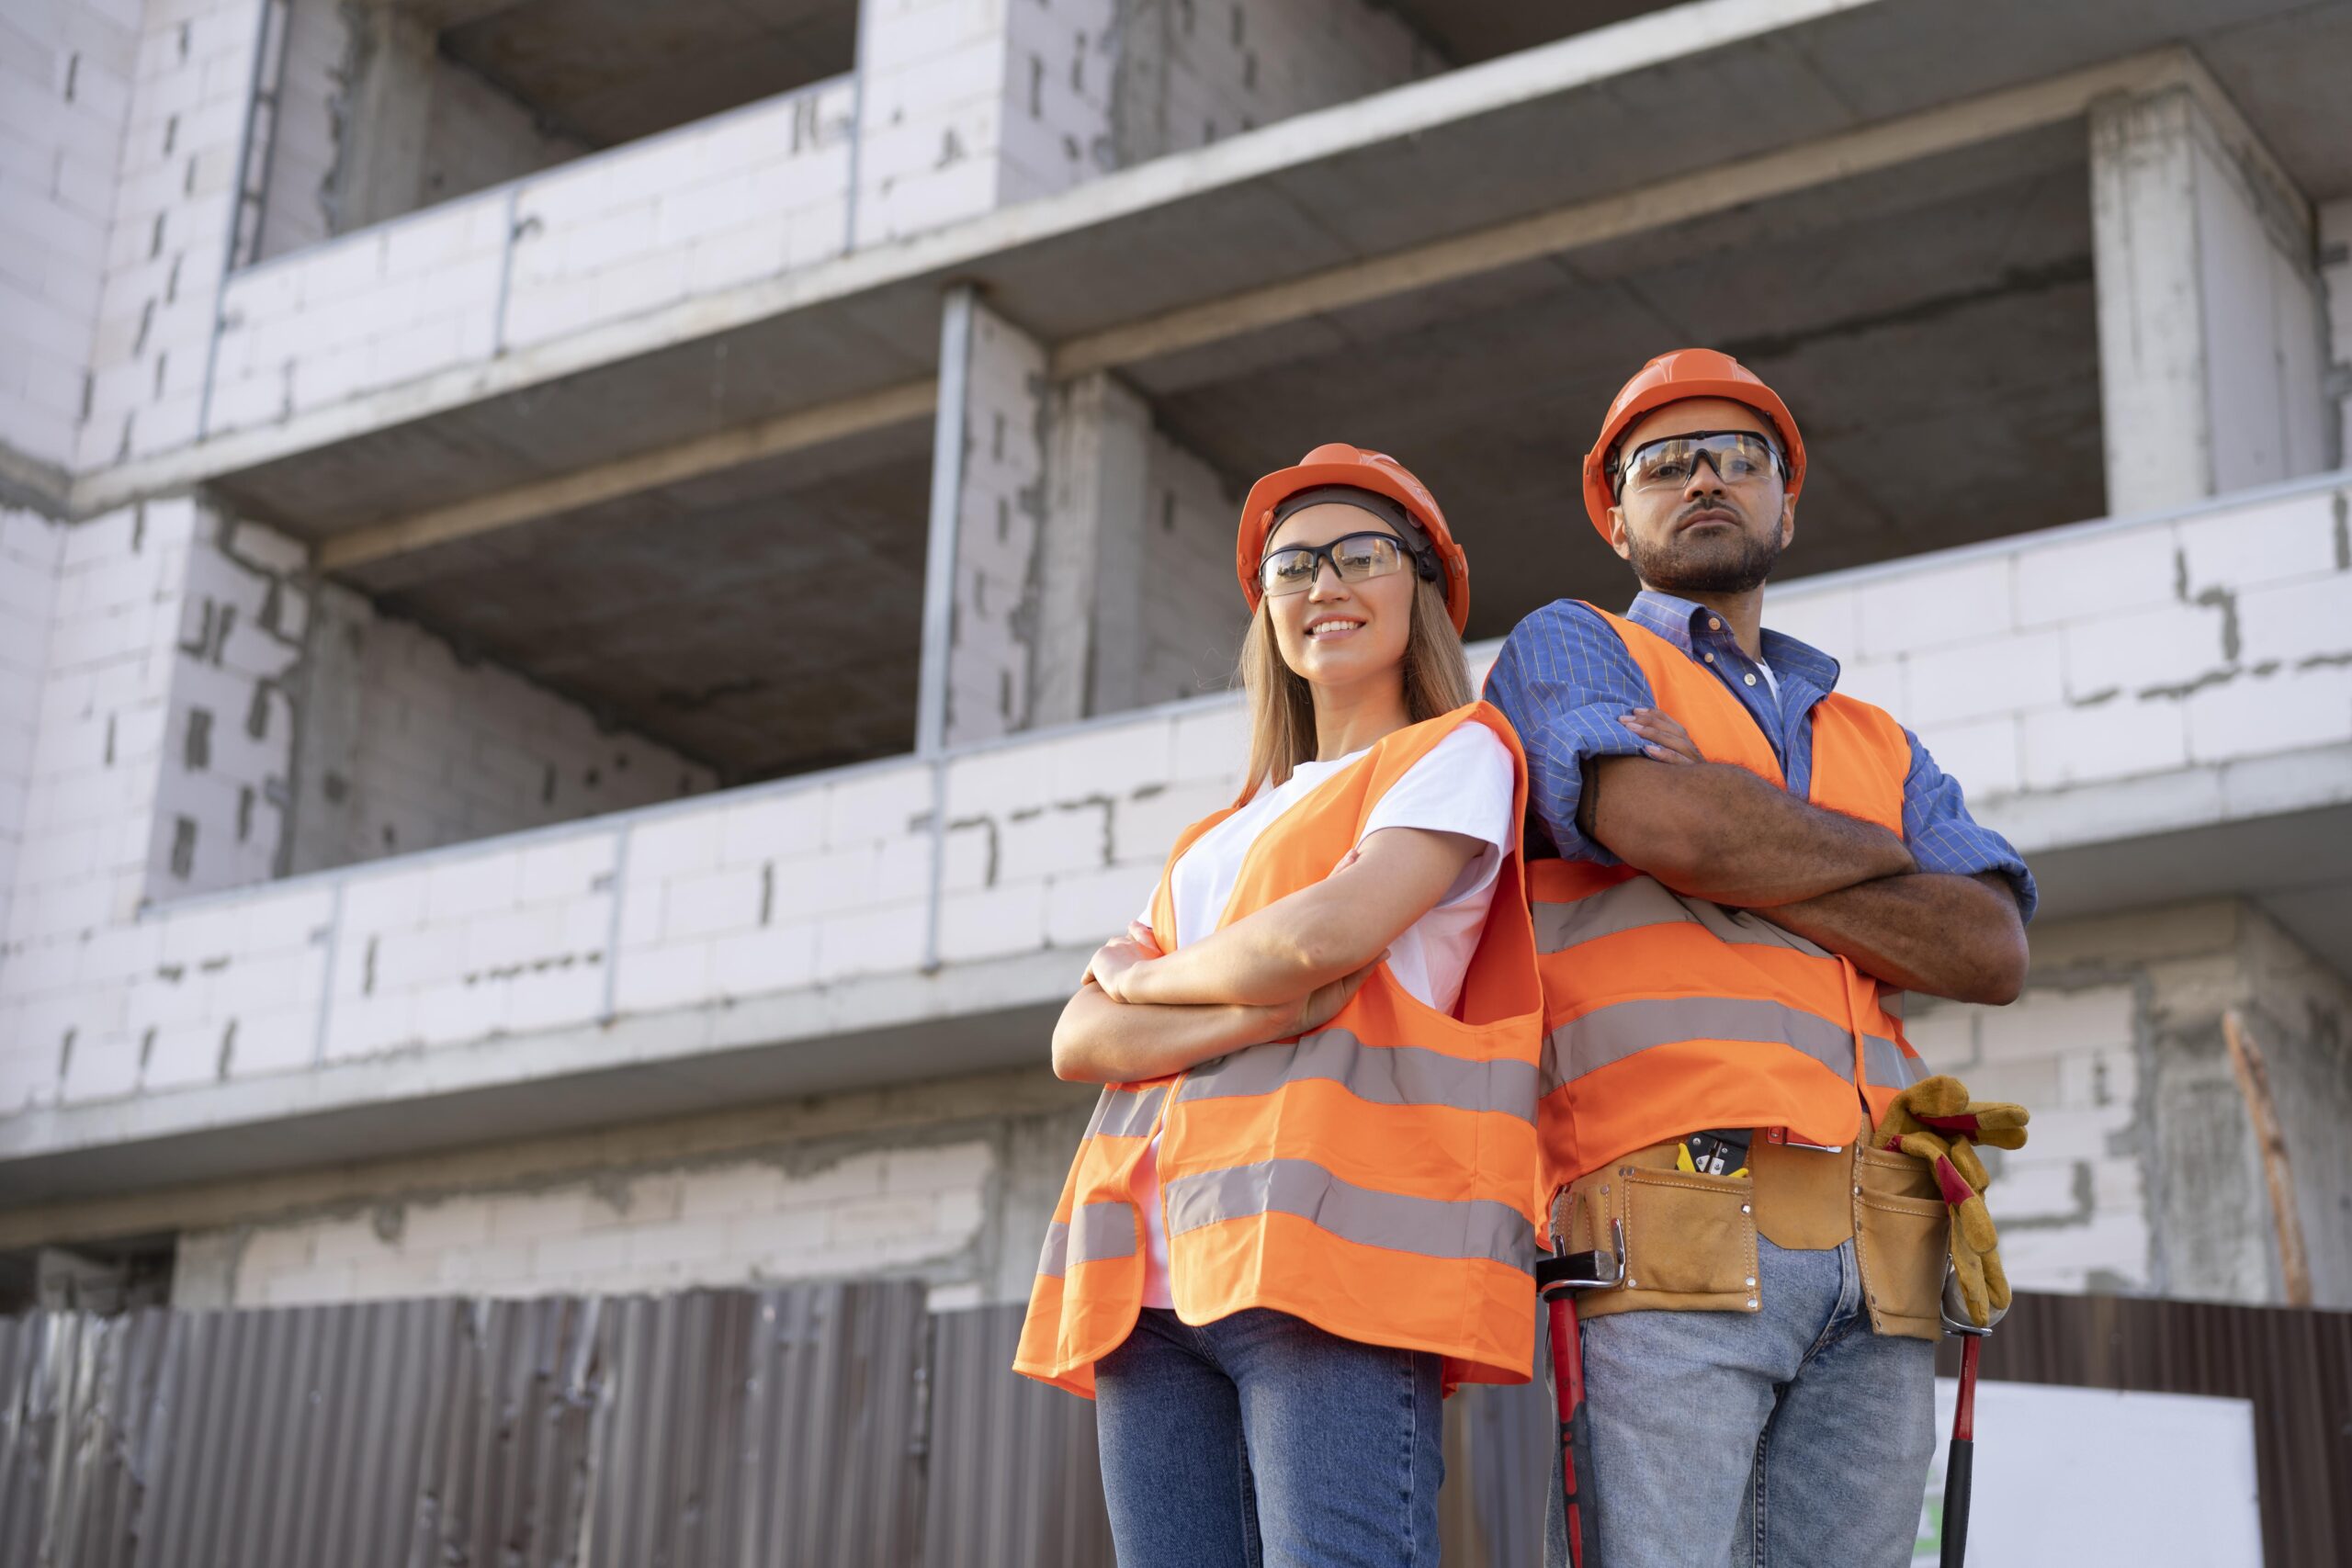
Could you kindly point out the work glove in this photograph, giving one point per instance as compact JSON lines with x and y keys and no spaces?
{"x":1935,"y":1122}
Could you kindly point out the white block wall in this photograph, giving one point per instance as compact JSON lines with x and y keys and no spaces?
{"x":972,"y":105}
{"x":2085,"y":658}
{"x":1202,"y":71}
{"x":746,"y":195}
{"x":103,"y":727}
{"x":30,"y":548}
{"x":909,"y":1208}
{"x":67,"y":72}
{"x":175,"y":201}
{"x":406,"y":747}
{"x":1192,"y":617}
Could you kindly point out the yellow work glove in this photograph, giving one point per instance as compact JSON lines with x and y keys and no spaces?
{"x":1935,"y":1122}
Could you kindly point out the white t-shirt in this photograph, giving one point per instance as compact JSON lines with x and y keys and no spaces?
{"x":1461,"y":785}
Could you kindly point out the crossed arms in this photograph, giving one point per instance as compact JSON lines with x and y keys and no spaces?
{"x":1283,"y":970}
{"x":1717,"y":832}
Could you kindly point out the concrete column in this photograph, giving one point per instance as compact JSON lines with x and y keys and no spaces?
{"x":1082,"y":560}
{"x":1092,"y":570}
{"x":2335,"y":273}
{"x":981,"y":584}
{"x":2208,"y":312}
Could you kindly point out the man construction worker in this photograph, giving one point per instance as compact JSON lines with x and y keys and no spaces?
{"x":1747,"y":871}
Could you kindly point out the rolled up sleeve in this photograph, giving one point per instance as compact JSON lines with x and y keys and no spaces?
{"x":1944,"y":838}
{"x":1566,"y":682}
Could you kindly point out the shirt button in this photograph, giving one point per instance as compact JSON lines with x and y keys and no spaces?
{"x":1749,"y":679}
{"x":1711,"y":659}
{"x":1713,"y":625}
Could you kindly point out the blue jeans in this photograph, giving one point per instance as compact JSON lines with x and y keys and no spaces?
{"x":1260,"y":1442}
{"x":1780,"y":1438}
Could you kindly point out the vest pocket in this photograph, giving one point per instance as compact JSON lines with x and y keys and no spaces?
{"x":1902,"y":1233}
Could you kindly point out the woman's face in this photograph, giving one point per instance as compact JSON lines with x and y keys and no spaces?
{"x":1337,"y":632}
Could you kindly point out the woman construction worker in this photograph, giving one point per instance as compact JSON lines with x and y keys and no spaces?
{"x":1307,"y":1206}
{"x":1741,"y":870}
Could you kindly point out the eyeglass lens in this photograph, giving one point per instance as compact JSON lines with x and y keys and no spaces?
{"x":1355,"y":556}
{"x":1734,"y":455}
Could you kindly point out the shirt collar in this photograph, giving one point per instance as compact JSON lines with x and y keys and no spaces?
{"x":1683,"y":624}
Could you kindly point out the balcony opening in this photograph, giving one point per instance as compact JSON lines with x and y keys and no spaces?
{"x":1932,"y":325}
{"x":741,"y":625}
{"x":388,"y":108}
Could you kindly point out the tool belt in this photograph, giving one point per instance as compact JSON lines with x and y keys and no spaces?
{"x":1688,"y":1238}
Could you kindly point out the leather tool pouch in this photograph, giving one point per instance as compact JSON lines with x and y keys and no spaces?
{"x":1690,"y":1240}
{"x":1902,"y":1237}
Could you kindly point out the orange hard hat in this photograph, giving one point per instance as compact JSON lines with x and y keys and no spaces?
{"x":1670,"y":379}
{"x":1337,"y":463}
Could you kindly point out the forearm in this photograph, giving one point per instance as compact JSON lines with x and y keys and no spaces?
{"x":1102,"y":1041}
{"x":1720,"y":832}
{"x":1959,"y":937}
{"x":1252,"y":962}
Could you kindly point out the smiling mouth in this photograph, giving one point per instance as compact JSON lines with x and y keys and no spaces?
{"x":1333,"y":628}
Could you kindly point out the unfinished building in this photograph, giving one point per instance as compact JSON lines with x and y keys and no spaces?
{"x":599,"y":603}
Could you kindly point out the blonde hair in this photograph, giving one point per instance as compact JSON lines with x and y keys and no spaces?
{"x":1282,"y":701}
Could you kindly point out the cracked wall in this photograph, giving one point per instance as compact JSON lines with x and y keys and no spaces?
{"x":2141,"y":1173}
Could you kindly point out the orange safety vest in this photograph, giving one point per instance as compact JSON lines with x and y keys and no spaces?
{"x":1376,"y":1178}
{"x":1667,"y":1014}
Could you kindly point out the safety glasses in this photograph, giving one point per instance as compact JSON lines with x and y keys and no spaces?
{"x":1669,"y":462}
{"x":1357,"y":557}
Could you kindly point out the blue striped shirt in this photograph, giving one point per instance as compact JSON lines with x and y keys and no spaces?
{"x":1565,"y":679}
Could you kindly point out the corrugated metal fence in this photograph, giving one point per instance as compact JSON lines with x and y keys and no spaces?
{"x":2294,"y":1364}
{"x":833,"y":1426}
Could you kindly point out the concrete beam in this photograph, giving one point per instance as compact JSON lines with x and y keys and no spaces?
{"x":629,"y":476}
{"x":1715,"y":189}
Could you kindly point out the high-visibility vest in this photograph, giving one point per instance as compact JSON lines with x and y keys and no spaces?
{"x":1376,"y":1177}
{"x":1665,"y":1014}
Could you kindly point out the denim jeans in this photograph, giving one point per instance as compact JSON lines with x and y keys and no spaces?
{"x":1260,"y":1442}
{"x":1787,"y":1437}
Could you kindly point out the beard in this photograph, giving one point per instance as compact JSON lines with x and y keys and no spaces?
{"x":1736,"y":561}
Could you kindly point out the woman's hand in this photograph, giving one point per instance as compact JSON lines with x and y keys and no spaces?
{"x":1115,"y":960}
{"x":1321,"y":1005}
{"x":1663,"y":739}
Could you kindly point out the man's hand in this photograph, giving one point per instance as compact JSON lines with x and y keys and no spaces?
{"x":1664,"y":739}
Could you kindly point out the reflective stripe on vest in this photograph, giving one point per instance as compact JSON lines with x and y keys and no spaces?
{"x":1380,"y":1075}
{"x":1376,"y":1178}
{"x":1094,"y":1232}
{"x":1678,"y":1013}
{"x":1434,"y":1228}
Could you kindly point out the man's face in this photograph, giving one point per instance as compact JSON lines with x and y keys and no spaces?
{"x":1704,"y":534}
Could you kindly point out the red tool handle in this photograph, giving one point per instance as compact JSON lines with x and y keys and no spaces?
{"x":1568,"y":1385}
{"x":1960,"y":1468}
